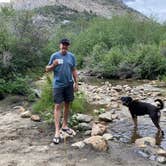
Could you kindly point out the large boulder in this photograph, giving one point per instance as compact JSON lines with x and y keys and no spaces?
{"x":84,"y":126}
{"x":84,"y":118}
{"x":143,"y":142}
{"x":98,"y":129}
{"x":107,"y":116}
{"x":108,"y":136}
{"x":97,"y":142}
{"x":78,"y":145}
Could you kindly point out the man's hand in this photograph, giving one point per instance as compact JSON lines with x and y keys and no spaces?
{"x":51,"y":67}
{"x":55,"y":62}
{"x":75,"y":87}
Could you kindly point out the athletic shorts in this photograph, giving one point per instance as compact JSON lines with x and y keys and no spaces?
{"x":63,"y":94}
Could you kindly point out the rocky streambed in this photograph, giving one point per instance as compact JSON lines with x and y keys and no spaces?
{"x":105,"y":136}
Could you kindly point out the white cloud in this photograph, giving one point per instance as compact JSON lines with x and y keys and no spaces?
{"x":7,"y":1}
{"x":155,"y":8}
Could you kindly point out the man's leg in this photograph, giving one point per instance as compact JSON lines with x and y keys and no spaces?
{"x":68,"y":96}
{"x":66,"y":114}
{"x":57,"y":114}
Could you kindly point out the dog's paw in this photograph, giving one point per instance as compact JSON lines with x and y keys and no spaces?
{"x":162,"y":132}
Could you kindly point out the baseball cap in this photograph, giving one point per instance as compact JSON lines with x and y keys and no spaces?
{"x":65,"y":41}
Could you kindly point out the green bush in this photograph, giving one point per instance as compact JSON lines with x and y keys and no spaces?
{"x":45,"y":104}
{"x":20,"y":86}
{"x":79,"y":104}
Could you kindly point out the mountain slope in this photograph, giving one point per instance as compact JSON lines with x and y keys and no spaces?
{"x":105,"y":8}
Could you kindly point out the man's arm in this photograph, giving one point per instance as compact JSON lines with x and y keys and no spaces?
{"x":75,"y":76}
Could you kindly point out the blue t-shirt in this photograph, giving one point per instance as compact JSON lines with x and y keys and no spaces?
{"x":63,"y":72}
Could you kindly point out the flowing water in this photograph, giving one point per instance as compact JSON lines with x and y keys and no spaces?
{"x":123,"y":129}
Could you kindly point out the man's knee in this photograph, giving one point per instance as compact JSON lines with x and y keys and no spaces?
{"x":57,"y":107}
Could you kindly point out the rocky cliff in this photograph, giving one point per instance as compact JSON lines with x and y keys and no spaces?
{"x":105,"y":8}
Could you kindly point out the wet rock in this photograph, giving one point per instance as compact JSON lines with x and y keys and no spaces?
{"x":84,"y":126}
{"x":115,"y":116}
{"x":26,"y":114}
{"x":161,"y":152}
{"x":98,"y":129}
{"x":161,"y":159}
{"x":143,"y":142}
{"x":97,"y":142}
{"x":107,"y":116}
{"x":88,"y":132}
{"x":35,"y":118}
{"x":108,"y":136}
{"x":152,"y":157}
{"x":84,"y":118}
{"x":143,"y":154}
{"x":78,"y":145}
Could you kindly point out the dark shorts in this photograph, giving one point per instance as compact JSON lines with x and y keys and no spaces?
{"x":64,"y":94}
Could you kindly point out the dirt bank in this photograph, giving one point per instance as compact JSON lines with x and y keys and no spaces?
{"x":27,"y":143}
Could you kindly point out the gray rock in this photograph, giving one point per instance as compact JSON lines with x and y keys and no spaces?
{"x":161,"y":152}
{"x":19,"y":108}
{"x":84,"y":126}
{"x":152,"y":157}
{"x":143,"y":154}
{"x":143,"y":142}
{"x":108,"y":136}
{"x":88,"y":132}
{"x":26,"y":114}
{"x":35,"y":118}
{"x":97,"y":142}
{"x":107,"y":116}
{"x":84,"y":118}
{"x":161,"y":159}
{"x":78,"y":145}
{"x":118,"y":88}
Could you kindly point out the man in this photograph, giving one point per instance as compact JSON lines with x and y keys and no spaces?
{"x":63,"y":63}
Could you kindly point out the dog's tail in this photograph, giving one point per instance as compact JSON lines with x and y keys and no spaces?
{"x":160,"y":104}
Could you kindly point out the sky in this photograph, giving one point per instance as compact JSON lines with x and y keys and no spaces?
{"x":4,"y":0}
{"x":155,"y":8}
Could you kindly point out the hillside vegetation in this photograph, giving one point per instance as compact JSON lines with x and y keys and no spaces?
{"x":121,"y":47}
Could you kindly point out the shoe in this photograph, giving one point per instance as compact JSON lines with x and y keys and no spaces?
{"x":56,"y":140}
{"x":67,"y":130}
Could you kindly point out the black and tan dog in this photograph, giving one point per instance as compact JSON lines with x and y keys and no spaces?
{"x":138,"y":108}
